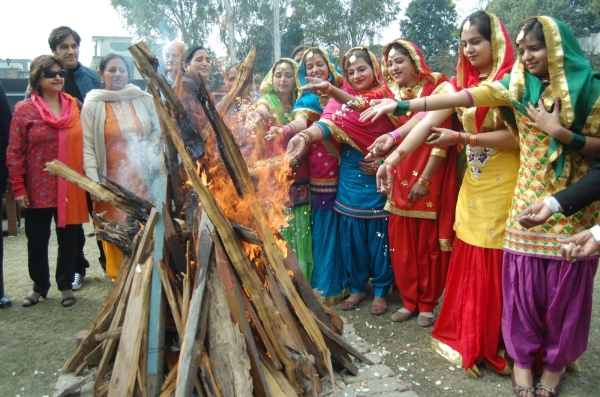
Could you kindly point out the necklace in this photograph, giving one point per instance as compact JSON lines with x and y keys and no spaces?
{"x":483,"y":76}
{"x":410,"y":92}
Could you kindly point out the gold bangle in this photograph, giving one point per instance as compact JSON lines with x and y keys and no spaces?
{"x":424,"y":182}
{"x":401,"y":153}
{"x":304,"y":136}
{"x":327,"y":90}
{"x":473,"y":140}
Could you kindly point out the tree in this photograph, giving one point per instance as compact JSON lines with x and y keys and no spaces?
{"x":344,"y":23}
{"x":155,"y":20}
{"x":576,"y":14}
{"x":431,"y":24}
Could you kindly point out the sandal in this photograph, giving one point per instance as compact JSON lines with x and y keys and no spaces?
{"x":29,"y":301}
{"x":518,"y":389}
{"x":378,"y":310}
{"x":554,"y":391}
{"x":352,"y":304}
{"x":68,"y":301}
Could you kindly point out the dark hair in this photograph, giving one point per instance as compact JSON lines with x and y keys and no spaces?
{"x":37,"y":68}
{"x":298,"y":49}
{"x":358,"y":54}
{"x":481,"y":21}
{"x":189,"y":54}
{"x":532,"y":28}
{"x":59,"y":34}
{"x":109,"y":57}
{"x":402,"y":50}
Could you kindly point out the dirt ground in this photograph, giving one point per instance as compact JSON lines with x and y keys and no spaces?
{"x":35,"y":342}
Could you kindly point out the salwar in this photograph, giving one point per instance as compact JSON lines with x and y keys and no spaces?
{"x":328,"y":275}
{"x":547,"y":305}
{"x":419,"y":264}
{"x":298,"y":236}
{"x":37,"y":230}
{"x":471,"y":314}
{"x":364,"y":244}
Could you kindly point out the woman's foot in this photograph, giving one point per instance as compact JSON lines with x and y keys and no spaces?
{"x":426,"y":319}
{"x":522,"y":381}
{"x":550,"y":383}
{"x":33,"y":298}
{"x":68,"y":299}
{"x":379,"y":306}
{"x":402,"y":315}
{"x":353,"y":300}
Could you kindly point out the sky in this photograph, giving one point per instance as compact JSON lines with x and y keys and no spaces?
{"x":26,"y":25}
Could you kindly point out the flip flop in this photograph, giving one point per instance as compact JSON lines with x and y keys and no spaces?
{"x":68,"y":301}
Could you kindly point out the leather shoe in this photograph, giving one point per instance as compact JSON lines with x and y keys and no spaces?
{"x":401,"y":317}
{"x":426,"y":321}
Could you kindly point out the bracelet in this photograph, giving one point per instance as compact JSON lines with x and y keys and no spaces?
{"x":395,"y":134}
{"x":456,"y":135}
{"x":577,"y":142}
{"x":401,"y":108}
{"x":327,"y":90}
{"x":470,"y":96}
{"x":473,"y":140}
{"x":424,"y":182}
{"x":393,"y":169}
{"x":304,"y":136}
{"x":289,"y":128}
{"x":424,"y":103}
{"x":401,"y":153}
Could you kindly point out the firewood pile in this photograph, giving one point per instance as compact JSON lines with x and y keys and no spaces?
{"x":202,"y":305}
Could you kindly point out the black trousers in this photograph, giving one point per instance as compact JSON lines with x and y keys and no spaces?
{"x":70,"y":249}
{"x":3,"y":176}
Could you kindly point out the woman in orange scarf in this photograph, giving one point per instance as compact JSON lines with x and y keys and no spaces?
{"x":47,"y":127}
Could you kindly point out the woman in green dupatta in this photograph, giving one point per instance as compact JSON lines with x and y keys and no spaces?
{"x":278,"y":92}
{"x":554,"y":97}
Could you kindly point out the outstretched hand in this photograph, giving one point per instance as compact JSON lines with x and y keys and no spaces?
{"x":378,"y":107}
{"x":441,"y":137}
{"x":385,"y":177}
{"x":315,"y":84}
{"x":381,"y":146}
{"x":548,"y":122}
{"x":579,"y":246}
{"x":534,"y":215}
{"x":296,"y":147}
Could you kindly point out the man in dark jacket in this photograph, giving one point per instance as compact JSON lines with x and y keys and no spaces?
{"x":64,"y":44}
{"x":5,"y":118}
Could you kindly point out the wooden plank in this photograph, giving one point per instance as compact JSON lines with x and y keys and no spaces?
{"x":238,"y":313}
{"x":175,"y":249}
{"x":172,"y":301}
{"x":338,"y":340}
{"x":337,"y":354}
{"x":110,"y":334}
{"x":208,"y":378}
{"x":158,"y":306}
{"x":123,"y":379}
{"x":191,"y":346}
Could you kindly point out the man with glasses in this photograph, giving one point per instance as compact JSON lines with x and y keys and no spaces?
{"x":172,"y":56}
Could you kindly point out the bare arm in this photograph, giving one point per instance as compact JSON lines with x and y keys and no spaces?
{"x":501,"y":139}
{"x":319,"y":86}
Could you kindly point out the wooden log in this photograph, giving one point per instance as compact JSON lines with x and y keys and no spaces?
{"x":238,"y":170}
{"x":338,"y":340}
{"x":123,"y":379}
{"x":208,"y":378}
{"x":277,"y":383}
{"x":278,"y":334}
{"x":167,"y":388}
{"x":340,"y":356}
{"x":104,"y":317}
{"x":238,"y":313}
{"x":57,"y":168}
{"x":172,"y":241}
{"x":95,"y":356}
{"x":191,"y":344}
{"x":170,"y":297}
{"x":110,"y":334}
{"x":227,"y":347}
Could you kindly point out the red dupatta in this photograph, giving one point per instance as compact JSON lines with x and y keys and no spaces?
{"x":344,"y":123}
{"x":503,"y":56}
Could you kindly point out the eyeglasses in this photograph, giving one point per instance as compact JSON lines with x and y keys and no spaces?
{"x":50,"y":74}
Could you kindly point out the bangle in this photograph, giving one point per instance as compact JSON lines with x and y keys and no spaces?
{"x":473,"y":140}
{"x":401,"y":108}
{"x":470,"y":96}
{"x":304,"y":136}
{"x":577,"y":142}
{"x":424,"y":103}
{"x":395,"y":134}
{"x":393,"y":169}
{"x":401,"y":153}
{"x":456,"y":135}
{"x":424,"y":182}
{"x":327,"y":90}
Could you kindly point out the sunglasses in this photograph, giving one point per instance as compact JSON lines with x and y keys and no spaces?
{"x":50,"y":74}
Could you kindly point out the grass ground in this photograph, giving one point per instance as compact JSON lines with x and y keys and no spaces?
{"x":35,"y":342}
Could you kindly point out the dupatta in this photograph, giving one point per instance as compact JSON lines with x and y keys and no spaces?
{"x":270,"y":98}
{"x":71,"y":203}
{"x":572,"y":80}
{"x":344,"y":123}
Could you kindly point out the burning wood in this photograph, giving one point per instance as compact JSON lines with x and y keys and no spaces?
{"x":241,"y":319}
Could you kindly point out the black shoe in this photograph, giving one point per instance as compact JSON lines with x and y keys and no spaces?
{"x":29,"y":301}
{"x":5,"y":303}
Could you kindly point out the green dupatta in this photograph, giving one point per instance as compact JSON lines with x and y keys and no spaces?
{"x":270,"y":98}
